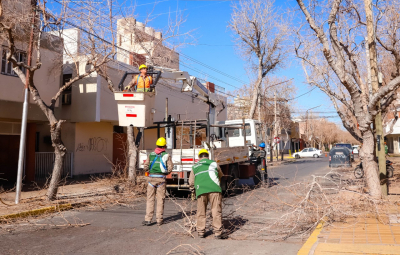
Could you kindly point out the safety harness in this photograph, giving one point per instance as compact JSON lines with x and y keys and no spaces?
{"x":157,"y":175}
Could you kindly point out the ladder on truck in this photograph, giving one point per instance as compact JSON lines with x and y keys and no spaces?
{"x":192,"y":137}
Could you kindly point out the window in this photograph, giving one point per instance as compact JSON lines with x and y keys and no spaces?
{"x":247,"y":128}
{"x":67,"y":94}
{"x":233,"y":132}
{"x":6,"y":67}
{"x":305,"y":150}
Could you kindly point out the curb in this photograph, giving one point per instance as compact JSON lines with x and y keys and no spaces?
{"x":36,"y":212}
{"x":307,"y":246}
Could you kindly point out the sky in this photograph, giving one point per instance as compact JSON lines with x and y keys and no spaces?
{"x":214,"y":47}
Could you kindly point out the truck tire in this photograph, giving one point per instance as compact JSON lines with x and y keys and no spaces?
{"x":233,"y":179}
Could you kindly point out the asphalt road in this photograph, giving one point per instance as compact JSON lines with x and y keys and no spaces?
{"x":118,"y":230}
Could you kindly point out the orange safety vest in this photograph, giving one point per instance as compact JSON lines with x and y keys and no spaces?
{"x":143,"y":84}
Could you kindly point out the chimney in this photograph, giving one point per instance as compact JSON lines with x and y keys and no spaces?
{"x":210,"y":86}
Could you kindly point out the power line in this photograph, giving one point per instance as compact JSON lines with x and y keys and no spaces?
{"x":301,"y":94}
{"x":196,"y":70}
{"x":212,"y":68}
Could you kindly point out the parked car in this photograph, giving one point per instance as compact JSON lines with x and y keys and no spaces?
{"x":339,"y":157}
{"x":356,"y":148}
{"x":308,"y":152}
{"x":348,"y":146}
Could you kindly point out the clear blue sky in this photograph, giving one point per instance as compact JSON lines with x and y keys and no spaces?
{"x":215,"y":47}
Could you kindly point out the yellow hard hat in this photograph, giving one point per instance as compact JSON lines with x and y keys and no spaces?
{"x":142,"y":66}
{"x":203,"y":151}
{"x":161,"y":142}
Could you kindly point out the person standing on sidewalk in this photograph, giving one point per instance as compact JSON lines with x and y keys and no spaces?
{"x":159,"y":165}
{"x":205,"y":179}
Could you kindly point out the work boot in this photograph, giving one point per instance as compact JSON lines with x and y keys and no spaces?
{"x":221,"y":236}
{"x":146,"y":223}
{"x":159,"y":223}
{"x":201,"y":235}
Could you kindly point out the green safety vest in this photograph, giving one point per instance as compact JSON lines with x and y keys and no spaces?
{"x":158,"y":163}
{"x":206,"y":178}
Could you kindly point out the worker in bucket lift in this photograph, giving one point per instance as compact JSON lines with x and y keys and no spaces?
{"x":204,"y":180}
{"x":158,"y":165}
{"x":142,"y":82}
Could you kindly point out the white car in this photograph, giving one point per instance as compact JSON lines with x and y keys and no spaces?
{"x":308,"y":152}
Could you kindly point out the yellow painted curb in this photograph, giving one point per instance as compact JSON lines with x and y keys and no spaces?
{"x":305,"y":249}
{"x":334,"y":248}
{"x":36,"y":212}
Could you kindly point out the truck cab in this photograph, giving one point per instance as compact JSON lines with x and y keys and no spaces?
{"x":234,"y":137}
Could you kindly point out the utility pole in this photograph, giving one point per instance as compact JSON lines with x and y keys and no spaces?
{"x":307,"y":125}
{"x":21,"y":158}
{"x":380,"y":150}
{"x":275,"y":126}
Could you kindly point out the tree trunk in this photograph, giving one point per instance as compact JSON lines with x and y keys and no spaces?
{"x":256,"y":91}
{"x":59,"y":151}
{"x":132,"y":154}
{"x":369,"y":165}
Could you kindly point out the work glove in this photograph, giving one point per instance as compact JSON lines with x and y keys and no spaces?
{"x":127,"y":88}
{"x":193,"y":196}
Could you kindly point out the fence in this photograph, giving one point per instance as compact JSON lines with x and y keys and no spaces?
{"x":44,"y":162}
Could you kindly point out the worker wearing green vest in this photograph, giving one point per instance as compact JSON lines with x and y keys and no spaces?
{"x":158,"y":165}
{"x":205,"y":179}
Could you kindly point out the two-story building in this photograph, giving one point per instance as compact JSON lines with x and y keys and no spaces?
{"x":48,"y":80}
{"x":91,"y":133}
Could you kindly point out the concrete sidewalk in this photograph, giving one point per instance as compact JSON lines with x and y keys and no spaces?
{"x":361,"y":236}
{"x":34,"y":200}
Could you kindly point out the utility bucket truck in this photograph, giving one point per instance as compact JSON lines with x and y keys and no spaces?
{"x":230,"y":143}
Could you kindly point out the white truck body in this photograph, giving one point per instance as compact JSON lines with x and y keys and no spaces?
{"x":234,"y":153}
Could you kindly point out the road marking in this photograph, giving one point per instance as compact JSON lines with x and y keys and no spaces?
{"x":305,"y":250}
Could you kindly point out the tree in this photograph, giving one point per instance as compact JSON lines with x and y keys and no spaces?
{"x":261,"y":35}
{"x":334,"y":61}
{"x":14,"y":25}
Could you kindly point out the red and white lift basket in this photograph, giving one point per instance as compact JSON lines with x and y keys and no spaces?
{"x":135,"y":108}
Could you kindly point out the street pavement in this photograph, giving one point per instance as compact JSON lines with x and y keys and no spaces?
{"x":118,"y":229}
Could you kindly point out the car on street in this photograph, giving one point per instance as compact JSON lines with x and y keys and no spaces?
{"x":339,"y":157}
{"x":348,"y":146}
{"x":356,"y":149}
{"x":308,"y":152}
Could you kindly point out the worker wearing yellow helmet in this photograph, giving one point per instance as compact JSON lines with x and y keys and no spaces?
{"x":158,"y":165}
{"x":205,"y":180}
{"x":142,"y":82}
